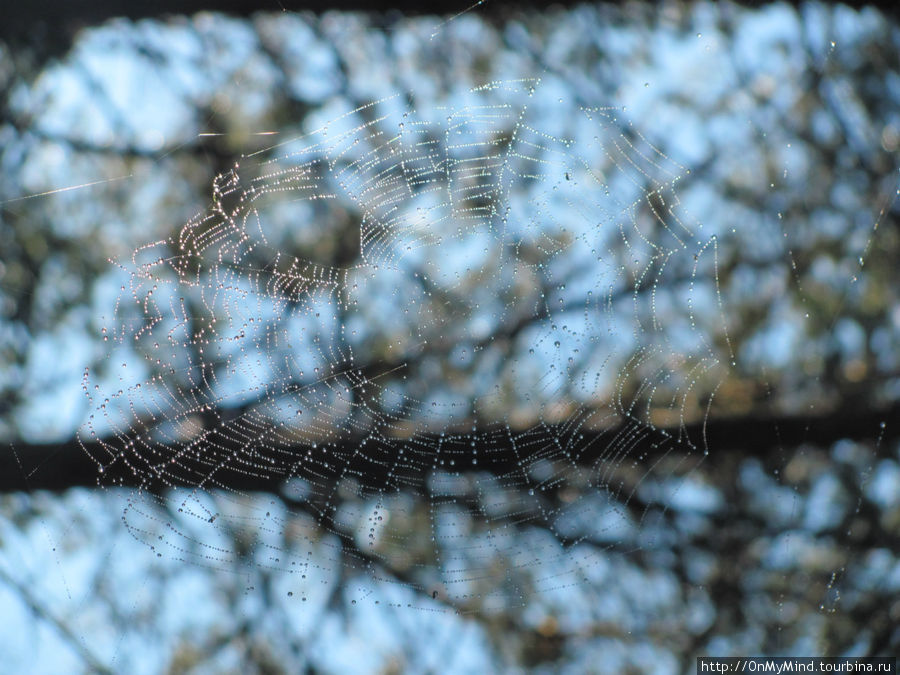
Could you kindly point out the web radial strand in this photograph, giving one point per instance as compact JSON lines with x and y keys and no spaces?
{"x":494,"y":328}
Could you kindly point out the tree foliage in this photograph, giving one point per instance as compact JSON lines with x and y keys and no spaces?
{"x":699,"y":459}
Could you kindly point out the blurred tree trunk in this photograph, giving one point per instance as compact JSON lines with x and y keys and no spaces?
{"x":58,"y":467}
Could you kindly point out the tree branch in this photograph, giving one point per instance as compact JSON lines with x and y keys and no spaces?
{"x":223,"y":460}
{"x":36,"y":606}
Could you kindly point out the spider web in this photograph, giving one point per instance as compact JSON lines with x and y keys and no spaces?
{"x":425,"y":329}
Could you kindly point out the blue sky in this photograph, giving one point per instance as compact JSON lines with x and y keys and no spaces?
{"x":108,"y":94}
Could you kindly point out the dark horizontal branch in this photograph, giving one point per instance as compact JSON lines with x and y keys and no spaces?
{"x":35,"y":21}
{"x":94,"y":12}
{"x":63,"y":18}
{"x":225,"y":462}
